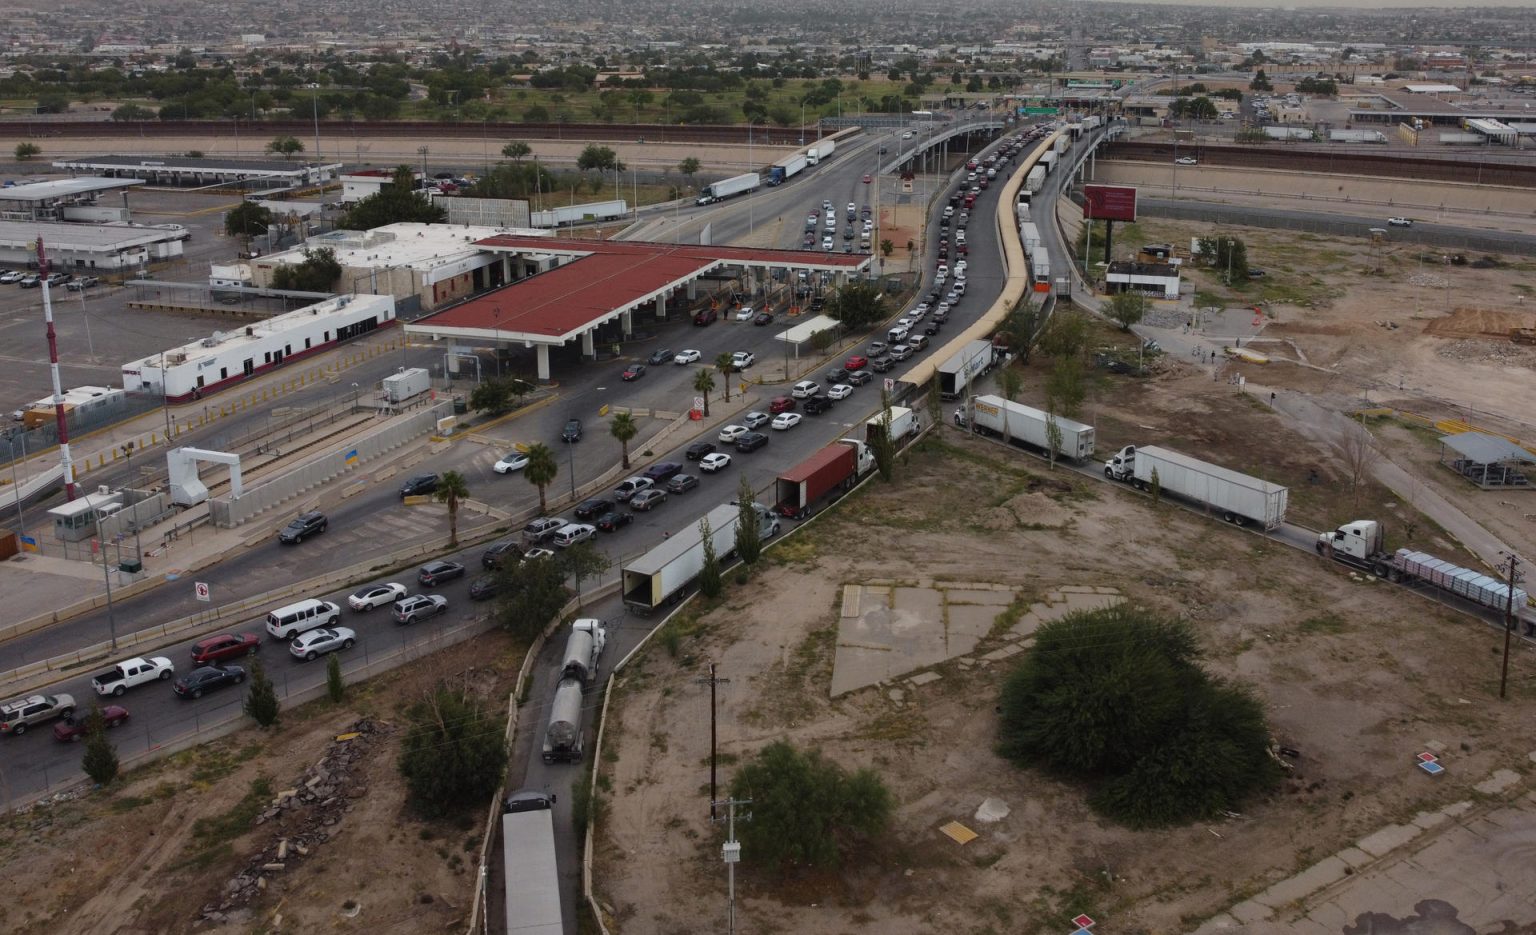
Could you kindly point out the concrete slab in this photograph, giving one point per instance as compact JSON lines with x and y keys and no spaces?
{"x":924,"y":678}
{"x":1249,"y":912}
{"x":1324,"y":872}
{"x":1329,"y":917}
{"x":968,"y":595}
{"x":900,"y":628}
{"x":1387,"y":839}
{"x":1500,"y":780}
{"x":968,"y":624}
{"x":1456,"y":809}
{"x":1355,"y":857}
{"x":1216,"y":924}
{"x":1428,"y":820}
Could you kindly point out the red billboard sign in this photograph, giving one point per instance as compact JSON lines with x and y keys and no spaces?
{"x":1110,"y":202}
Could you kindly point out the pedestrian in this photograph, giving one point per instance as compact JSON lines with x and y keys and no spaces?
{"x":1271,"y":399}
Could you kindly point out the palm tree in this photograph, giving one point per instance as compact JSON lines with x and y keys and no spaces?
{"x":541,"y":470}
{"x":451,"y":488}
{"x":622,"y":426}
{"x":703,"y":383}
{"x":724,"y":365}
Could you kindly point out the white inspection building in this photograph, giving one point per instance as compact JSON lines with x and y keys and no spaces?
{"x":227,"y":357}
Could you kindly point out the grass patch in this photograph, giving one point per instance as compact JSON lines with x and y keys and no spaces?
{"x":128,"y":803}
{"x":1328,"y":623}
{"x":211,"y":836}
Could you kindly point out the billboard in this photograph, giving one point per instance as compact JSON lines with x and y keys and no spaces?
{"x":1109,"y":202}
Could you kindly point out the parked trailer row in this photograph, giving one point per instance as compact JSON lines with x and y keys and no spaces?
{"x":1236,"y":497}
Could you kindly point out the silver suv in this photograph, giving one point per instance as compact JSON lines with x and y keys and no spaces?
{"x":417,"y":606}
{"x":17,"y":716}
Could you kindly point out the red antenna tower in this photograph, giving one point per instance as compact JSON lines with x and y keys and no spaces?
{"x":53,"y":369}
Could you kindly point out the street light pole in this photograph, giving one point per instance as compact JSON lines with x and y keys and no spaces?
{"x":570,"y":465}
{"x":106,"y":575}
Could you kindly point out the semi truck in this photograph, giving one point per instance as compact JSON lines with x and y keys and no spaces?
{"x":528,"y":861}
{"x":725,"y":188}
{"x":583,"y":649}
{"x":1238,"y":498}
{"x":1362,"y":544}
{"x":1017,"y":422}
{"x":829,"y":473}
{"x":1047,"y":161}
{"x":904,"y":426}
{"x":1040,"y":267}
{"x":1029,"y":236}
{"x":562,"y":738}
{"x":787,"y":168}
{"x":1035,"y":180}
{"x":1021,"y":209}
{"x":663,"y":574}
{"x":956,"y":374}
{"x":821,"y":152}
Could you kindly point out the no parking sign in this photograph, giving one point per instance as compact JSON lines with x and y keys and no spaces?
{"x":200,"y":588}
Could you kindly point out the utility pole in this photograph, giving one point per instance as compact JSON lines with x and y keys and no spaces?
{"x":730,"y":852}
{"x":712,"y":681}
{"x":1509,"y":621}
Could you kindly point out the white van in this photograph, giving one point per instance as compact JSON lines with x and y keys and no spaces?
{"x":898,"y":334}
{"x":287,"y":622}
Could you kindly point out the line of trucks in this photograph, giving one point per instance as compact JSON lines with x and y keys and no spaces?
{"x":1244,"y":500}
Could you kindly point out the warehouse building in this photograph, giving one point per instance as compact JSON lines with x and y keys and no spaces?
{"x":188,"y":171}
{"x":227,"y":357}
{"x":75,"y":199}
{"x":106,"y":247}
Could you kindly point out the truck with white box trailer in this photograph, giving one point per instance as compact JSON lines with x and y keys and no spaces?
{"x":663,"y":574}
{"x":903,"y":426}
{"x":532,"y":874}
{"x":725,"y":188}
{"x":956,"y":374}
{"x":821,"y":152}
{"x":1016,"y":422}
{"x":1238,"y":498}
{"x":407,"y":384}
{"x":787,"y":168}
{"x":1035,"y":180}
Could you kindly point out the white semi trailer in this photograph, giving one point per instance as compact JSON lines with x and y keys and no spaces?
{"x":1236,"y":497}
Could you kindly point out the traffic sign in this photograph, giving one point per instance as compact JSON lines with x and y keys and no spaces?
{"x":890,"y":385}
{"x":200,"y":588}
{"x":698,"y":402}
{"x":1083,"y":921}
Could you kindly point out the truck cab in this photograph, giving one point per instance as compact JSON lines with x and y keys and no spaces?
{"x":1361,"y":539}
{"x":1122,"y":465}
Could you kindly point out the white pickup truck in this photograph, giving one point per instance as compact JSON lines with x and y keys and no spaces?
{"x":136,"y":671}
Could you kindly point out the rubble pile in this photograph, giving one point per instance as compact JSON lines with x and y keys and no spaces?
{"x":304,"y":816}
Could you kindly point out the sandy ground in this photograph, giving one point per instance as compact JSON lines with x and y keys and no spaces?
{"x":1356,"y":677}
{"x":133,"y":861}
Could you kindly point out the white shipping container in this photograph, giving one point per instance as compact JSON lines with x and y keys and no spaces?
{"x":398,"y":387}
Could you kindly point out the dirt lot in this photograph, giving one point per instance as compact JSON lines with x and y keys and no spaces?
{"x":150,"y":855}
{"x":1357,"y":677}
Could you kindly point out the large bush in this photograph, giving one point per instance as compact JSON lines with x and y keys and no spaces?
{"x":1115,"y":698}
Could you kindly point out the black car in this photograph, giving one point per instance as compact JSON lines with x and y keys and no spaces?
{"x":816,"y":405}
{"x":662,"y":471}
{"x":614,"y":521}
{"x":306,"y":525}
{"x":597,"y":506}
{"x":483,"y":588}
{"x":751,"y":441}
{"x":498,"y":552}
{"x":857,"y":377}
{"x":572,"y":431}
{"x":698,"y":450}
{"x":882,"y":364}
{"x":933,"y":326}
{"x":662,"y":356}
{"x":434,"y":573}
{"x":682,"y":483}
{"x":763,"y":318}
{"x":207,"y":678}
{"x":418,"y":486}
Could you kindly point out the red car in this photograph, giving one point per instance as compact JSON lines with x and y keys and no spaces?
{"x":867,"y":180}
{"x":632,"y":372}
{"x":856,"y":363}
{"x":781,"y":404}
{"x":224,"y":646}
{"x":74,"y":728}
{"x":706,"y":317}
